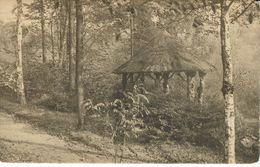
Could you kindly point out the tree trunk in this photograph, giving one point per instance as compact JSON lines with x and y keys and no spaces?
{"x":52,"y":43}
{"x":191,"y":85}
{"x":58,"y":36}
{"x":69,"y":53}
{"x":132,"y":29}
{"x":20,"y":83}
{"x":227,"y":88}
{"x":43,"y":31}
{"x":61,"y":36}
{"x":79,"y":65}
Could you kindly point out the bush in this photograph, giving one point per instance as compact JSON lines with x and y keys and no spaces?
{"x":48,"y":86}
{"x":180,"y":120}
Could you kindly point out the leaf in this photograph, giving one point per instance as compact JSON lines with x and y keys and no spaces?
{"x":143,"y":98}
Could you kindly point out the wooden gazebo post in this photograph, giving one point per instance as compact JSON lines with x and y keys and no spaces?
{"x":142,"y":78}
{"x":124,"y":80}
{"x":157,"y":79}
{"x":190,"y":84}
{"x":201,"y":86}
{"x":166,"y":88}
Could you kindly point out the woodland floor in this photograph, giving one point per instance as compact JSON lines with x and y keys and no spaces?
{"x":24,"y":140}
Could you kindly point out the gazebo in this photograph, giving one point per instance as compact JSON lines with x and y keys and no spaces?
{"x":160,"y":60}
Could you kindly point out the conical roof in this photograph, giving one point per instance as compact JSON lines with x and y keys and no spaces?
{"x":163,"y":54}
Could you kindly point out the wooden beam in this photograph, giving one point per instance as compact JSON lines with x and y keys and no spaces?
{"x":124,"y":80}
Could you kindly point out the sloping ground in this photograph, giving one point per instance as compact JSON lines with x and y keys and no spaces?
{"x":21,"y":142}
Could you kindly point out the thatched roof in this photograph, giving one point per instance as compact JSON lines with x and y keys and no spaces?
{"x":164,"y":54}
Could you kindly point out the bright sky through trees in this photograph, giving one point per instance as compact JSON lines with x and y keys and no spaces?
{"x":6,"y":7}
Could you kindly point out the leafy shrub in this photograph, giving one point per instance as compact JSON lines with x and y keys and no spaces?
{"x":47,"y":85}
{"x":123,"y":116}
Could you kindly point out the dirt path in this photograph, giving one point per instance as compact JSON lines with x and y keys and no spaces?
{"x":20,"y":142}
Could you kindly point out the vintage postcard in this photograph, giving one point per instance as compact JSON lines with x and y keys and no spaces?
{"x":129,"y":81}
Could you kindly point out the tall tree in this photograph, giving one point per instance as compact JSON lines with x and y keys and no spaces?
{"x":42,"y":11}
{"x":62,"y":31}
{"x":79,"y":65}
{"x":69,"y":46}
{"x":228,"y":86}
{"x":20,"y":82}
{"x":52,"y":40}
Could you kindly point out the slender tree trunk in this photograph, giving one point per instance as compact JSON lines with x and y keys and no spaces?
{"x":58,"y":37}
{"x":60,"y":34}
{"x":132,"y":28}
{"x":79,"y":54}
{"x":43,"y":31}
{"x":63,"y":30}
{"x":20,"y":83}
{"x":227,"y":88}
{"x":69,"y":53}
{"x":52,"y":44}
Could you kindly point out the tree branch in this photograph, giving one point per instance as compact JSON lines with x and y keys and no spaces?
{"x":245,"y":9}
{"x":230,"y":4}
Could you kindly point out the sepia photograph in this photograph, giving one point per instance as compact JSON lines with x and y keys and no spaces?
{"x":129,"y":81}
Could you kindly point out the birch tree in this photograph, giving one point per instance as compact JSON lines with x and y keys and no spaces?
{"x":228,"y":86}
{"x":19,"y":64}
